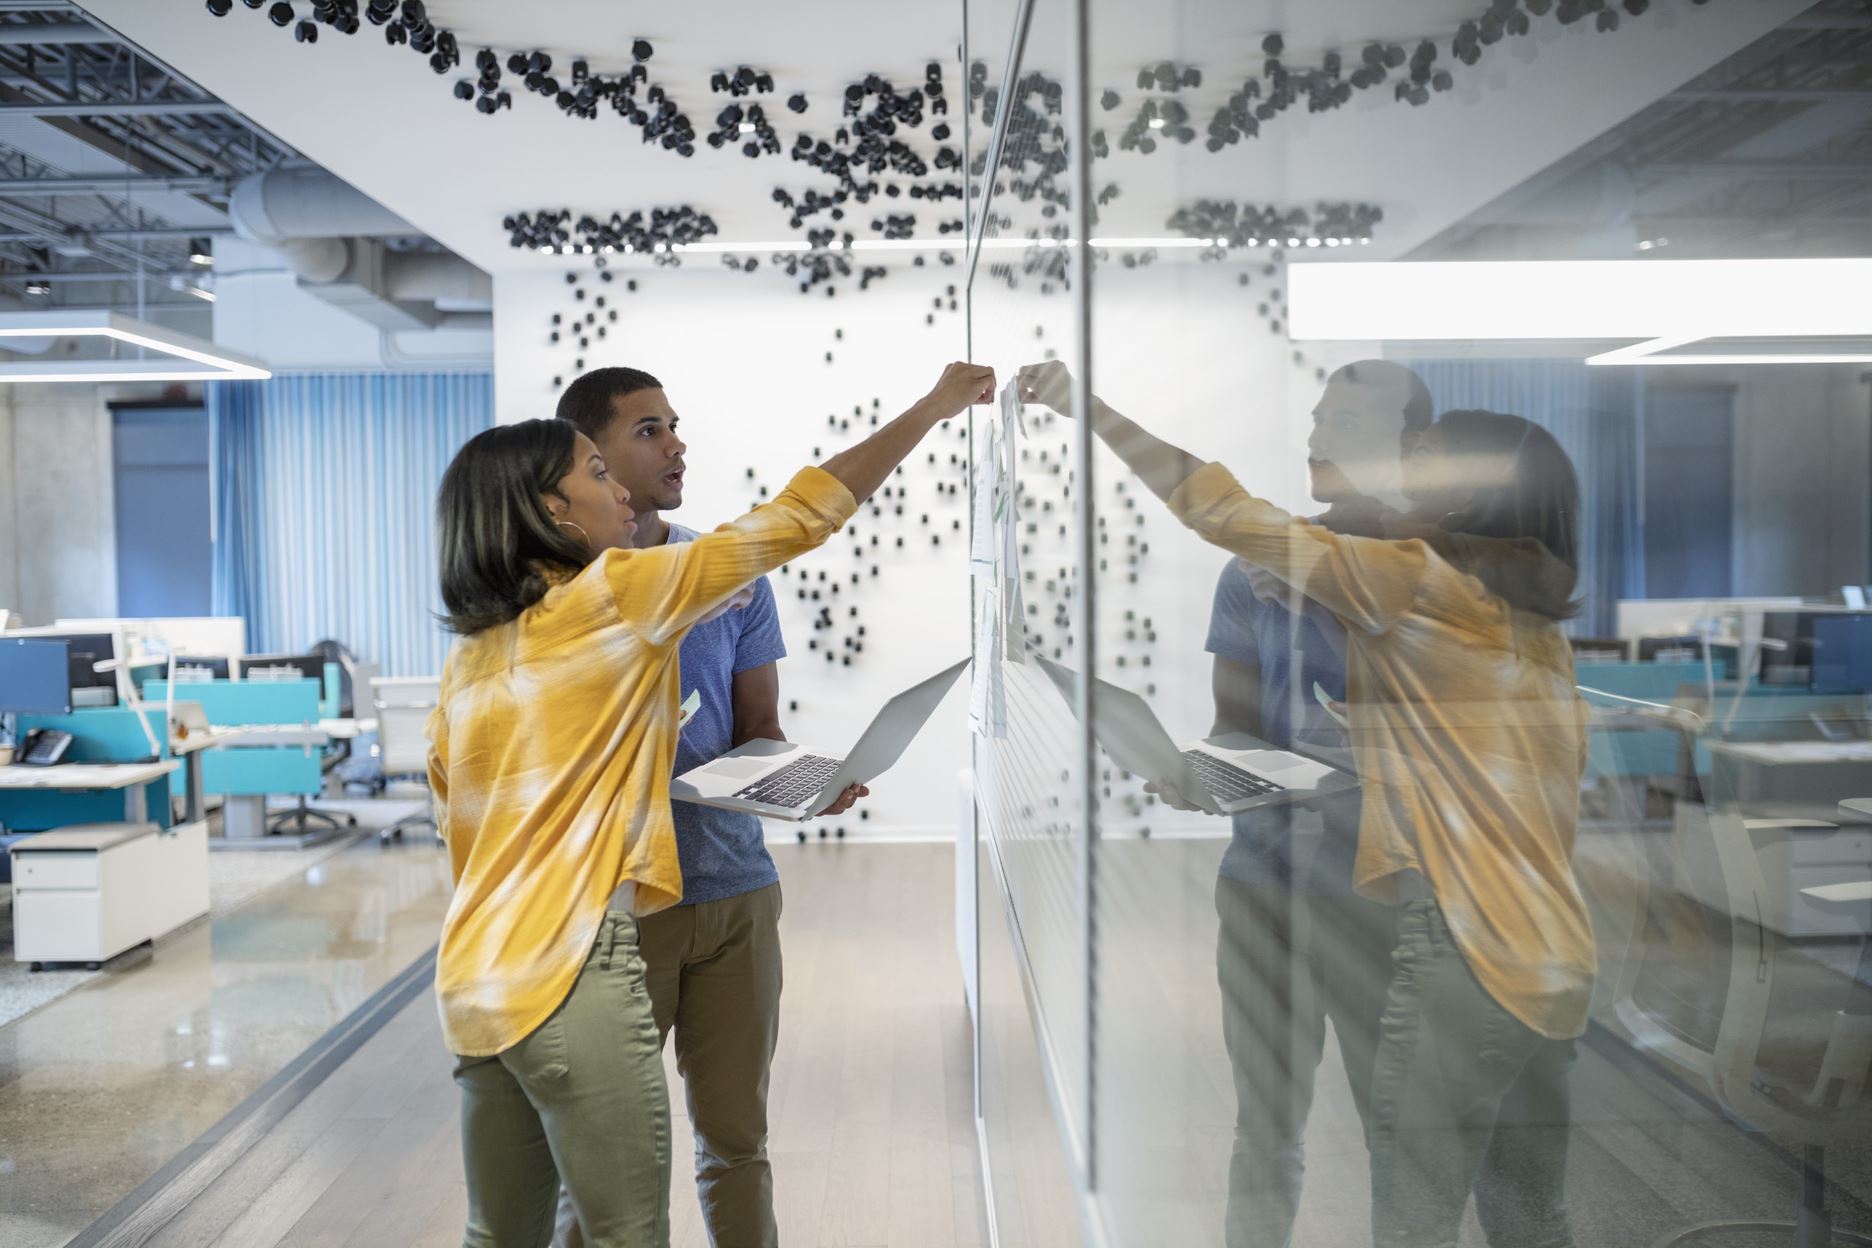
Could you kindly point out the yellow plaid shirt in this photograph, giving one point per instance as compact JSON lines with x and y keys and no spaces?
{"x":550,"y":758}
{"x":1468,"y":734}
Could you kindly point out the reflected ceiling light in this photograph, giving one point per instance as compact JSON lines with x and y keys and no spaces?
{"x":1665,"y":351}
{"x":202,"y":292}
{"x":38,"y":288}
{"x":179,"y":357}
{"x":1589,"y":299}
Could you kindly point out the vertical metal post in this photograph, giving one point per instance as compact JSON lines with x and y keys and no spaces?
{"x":1077,"y":92}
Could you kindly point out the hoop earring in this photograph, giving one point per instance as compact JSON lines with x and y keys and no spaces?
{"x":567,"y":524}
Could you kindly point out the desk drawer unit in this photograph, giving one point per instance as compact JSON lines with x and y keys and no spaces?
{"x":77,"y":869}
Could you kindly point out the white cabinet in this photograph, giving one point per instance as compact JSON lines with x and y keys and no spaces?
{"x":85,"y":894}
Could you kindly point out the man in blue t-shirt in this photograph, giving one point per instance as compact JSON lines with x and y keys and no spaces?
{"x":1296,"y":946}
{"x":713,"y":962}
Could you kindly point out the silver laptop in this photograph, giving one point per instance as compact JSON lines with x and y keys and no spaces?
{"x":1223,"y":775}
{"x":785,"y":780}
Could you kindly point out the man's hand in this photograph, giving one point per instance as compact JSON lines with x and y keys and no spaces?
{"x":846,"y":800}
{"x":1168,"y":794}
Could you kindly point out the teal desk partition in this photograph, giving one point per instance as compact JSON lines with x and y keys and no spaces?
{"x":239,"y":703}
{"x":1632,"y":752}
{"x":261,"y":770}
{"x":101,"y":734}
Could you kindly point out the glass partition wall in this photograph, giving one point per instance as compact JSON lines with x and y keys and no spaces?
{"x":1448,"y":818}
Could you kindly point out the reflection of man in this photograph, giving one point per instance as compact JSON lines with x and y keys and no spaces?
{"x":1296,"y":946}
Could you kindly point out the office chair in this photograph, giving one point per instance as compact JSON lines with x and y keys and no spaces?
{"x":403,"y":706}
{"x":1718,"y":1039}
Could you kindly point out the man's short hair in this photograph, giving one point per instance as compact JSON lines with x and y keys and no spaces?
{"x":1417,"y":408}
{"x":586,"y":403}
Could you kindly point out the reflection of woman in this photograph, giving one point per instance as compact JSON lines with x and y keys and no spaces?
{"x":550,"y":760}
{"x":1470,"y":742}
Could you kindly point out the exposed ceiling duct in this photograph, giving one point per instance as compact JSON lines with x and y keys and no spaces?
{"x":332,"y":237}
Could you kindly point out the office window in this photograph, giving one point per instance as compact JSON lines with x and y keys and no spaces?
{"x":164,"y":541}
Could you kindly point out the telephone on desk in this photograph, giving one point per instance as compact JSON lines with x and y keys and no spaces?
{"x":44,"y":747}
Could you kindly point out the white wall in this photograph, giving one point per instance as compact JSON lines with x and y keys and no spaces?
{"x":58,"y":537}
{"x":743,"y":359}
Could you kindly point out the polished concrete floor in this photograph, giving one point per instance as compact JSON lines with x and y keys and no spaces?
{"x":873,"y":1139}
{"x":101,"y":1087}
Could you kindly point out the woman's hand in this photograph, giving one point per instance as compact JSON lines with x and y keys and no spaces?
{"x":961,"y":386}
{"x":1049,"y":384}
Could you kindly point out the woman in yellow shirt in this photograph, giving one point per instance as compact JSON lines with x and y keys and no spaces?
{"x":1470,"y":740}
{"x":550,"y":757}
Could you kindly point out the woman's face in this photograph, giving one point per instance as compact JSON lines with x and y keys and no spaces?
{"x":588,"y":498}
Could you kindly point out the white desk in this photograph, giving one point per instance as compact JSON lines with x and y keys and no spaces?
{"x":87,"y":893}
{"x":1794,"y":753}
{"x":1840,"y":894}
{"x":93,"y":778}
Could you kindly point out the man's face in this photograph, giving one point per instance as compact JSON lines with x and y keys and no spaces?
{"x":1356,"y":441}
{"x":641,"y":448}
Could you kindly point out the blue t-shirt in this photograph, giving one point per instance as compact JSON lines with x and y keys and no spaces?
{"x":723,"y":852}
{"x":1292,"y":650}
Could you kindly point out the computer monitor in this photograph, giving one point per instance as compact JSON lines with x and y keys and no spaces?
{"x":1842,"y":653}
{"x":283,"y":667}
{"x":1787,"y":648}
{"x":1599,"y":649}
{"x":1670,"y":649}
{"x":199,"y":668}
{"x":90,"y":687}
{"x":35,"y":676}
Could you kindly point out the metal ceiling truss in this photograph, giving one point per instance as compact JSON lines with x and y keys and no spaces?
{"x":73,"y":230}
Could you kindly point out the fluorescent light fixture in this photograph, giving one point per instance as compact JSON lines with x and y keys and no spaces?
{"x":1682,"y":300}
{"x":201,"y":292}
{"x":201,"y":258}
{"x":1666,"y":351}
{"x":180,"y":357}
{"x":38,"y":288}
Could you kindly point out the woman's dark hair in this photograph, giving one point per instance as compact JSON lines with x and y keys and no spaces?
{"x":498,"y":542}
{"x":1519,"y":533}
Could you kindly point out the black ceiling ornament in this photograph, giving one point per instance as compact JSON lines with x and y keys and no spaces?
{"x":1236,"y":225}
{"x":656,"y":233}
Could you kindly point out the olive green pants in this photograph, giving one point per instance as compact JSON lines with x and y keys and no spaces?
{"x":714,"y":975}
{"x":580,"y":1101}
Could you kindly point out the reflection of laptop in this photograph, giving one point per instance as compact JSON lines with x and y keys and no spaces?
{"x":783,"y":780}
{"x":1222,"y":775}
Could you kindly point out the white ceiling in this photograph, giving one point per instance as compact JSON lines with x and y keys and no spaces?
{"x":377,"y":117}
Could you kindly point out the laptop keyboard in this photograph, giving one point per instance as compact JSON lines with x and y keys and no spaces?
{"x":793,"y":783}
{"x":1225,"y":781}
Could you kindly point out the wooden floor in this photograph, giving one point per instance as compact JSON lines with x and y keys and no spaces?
{"x":873,"y":1139}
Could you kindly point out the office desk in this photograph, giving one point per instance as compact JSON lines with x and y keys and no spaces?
{"x":1806,"y":779}
{"x":93,"y":778}
{"x":1793,"y":753}
{"x":1857,"y":808}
